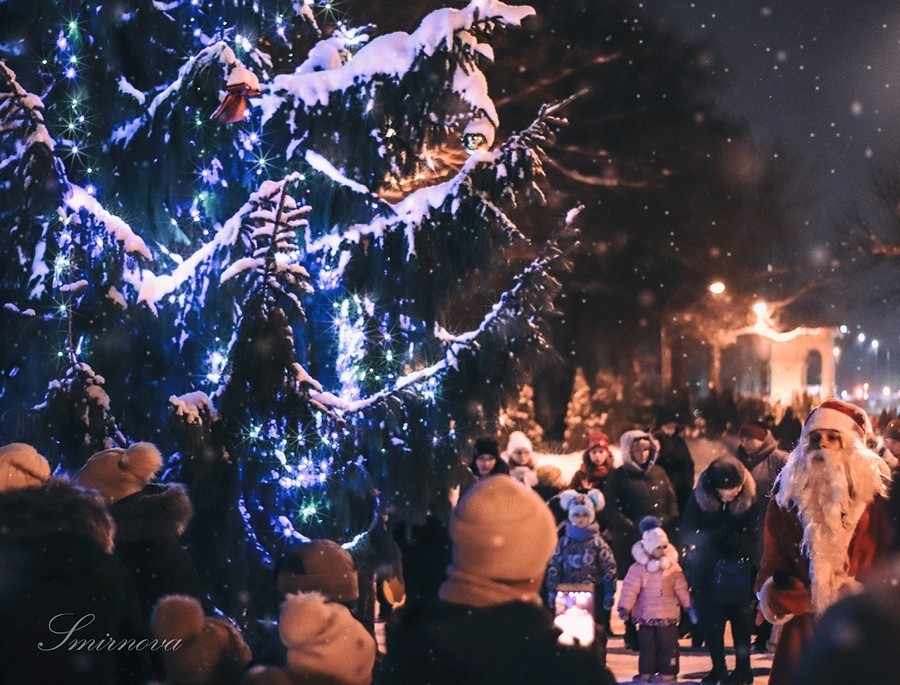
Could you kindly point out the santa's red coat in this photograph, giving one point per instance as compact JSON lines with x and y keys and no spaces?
{"x":783,"y":533}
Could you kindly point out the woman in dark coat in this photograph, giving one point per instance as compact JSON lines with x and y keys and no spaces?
{"x":150,"y":519}
{"x":59,"y":577}
{"x":719,"y":533}
{"x":637,"y":489}
{"x":486,"y":461}
{"x":149,"y":525}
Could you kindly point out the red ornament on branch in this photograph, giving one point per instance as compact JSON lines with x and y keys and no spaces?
{"x":242,"y":84}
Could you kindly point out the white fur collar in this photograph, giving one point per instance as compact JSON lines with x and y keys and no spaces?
{"x":670,"y":558}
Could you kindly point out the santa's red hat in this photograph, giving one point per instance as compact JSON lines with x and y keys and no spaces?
{"x":833,"y":414}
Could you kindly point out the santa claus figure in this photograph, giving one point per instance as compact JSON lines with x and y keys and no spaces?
{"x":826,"y":527}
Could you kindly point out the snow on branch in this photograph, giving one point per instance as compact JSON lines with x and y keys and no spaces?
{"x":22,"y":111}
{"x":393,"y":55}
{"x":516,"y":163}
{"x":78,"y":198}
{"x":509,"y":305}
{"x":154,"y":287}
{"x":208,"y":57}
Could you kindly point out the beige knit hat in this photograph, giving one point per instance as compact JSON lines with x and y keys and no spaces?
{"x":325,"y":644}
{"x":21,"y":467}
{"x":319,"y":566}
{"x":117,"y":473}
{"x":503,"y":531}
{"x":212,"y":649}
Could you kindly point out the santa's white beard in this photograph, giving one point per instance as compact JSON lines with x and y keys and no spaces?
{"x":831,"y":489}
{"x":823,"y":499}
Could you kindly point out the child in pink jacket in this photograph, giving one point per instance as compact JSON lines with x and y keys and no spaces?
{"x":653,"y":594}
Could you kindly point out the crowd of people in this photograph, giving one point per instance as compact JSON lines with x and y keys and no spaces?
{"x":96,"y":587}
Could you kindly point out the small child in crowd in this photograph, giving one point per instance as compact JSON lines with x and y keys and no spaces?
{"x":653,"y":593}
{"x":582,"y":555}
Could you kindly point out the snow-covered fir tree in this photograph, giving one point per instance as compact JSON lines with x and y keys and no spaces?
{"x":579,"y":413}
{"x":222,"y":234}
{"x":518,"y":415}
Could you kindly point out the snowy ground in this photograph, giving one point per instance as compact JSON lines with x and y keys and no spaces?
{"x":694,"y":665}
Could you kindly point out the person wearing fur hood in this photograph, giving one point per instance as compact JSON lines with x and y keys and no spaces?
{"x":150,"y":519}
{"x":653,"y":594}
{"x":826,"y":527}
{"x":62,"y":588}
{"x":582,"y":556}
{"x":719,"y":533}
{"x":636,"y":489}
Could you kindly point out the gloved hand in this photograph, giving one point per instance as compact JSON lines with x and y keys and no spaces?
{"x":608,"y":603}
{"x":692,"y":614}
{"x":782,"y":597}
{"x":624,"y":614}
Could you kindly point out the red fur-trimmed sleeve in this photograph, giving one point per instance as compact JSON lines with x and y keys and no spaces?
{"x":781,"y":552}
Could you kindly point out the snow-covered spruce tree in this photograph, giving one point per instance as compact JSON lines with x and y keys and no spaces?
{"x":274,"y":263}
{"x":579,"y":413}
{"x":518,"y":415}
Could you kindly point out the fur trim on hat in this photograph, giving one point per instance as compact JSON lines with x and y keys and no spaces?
{"x":709,"y":501}
{"x":641,"y":556}
{"x":652,"y":537}
{"x":834,"y":414}
{"x":156,"y":512}
{"x":55,"y":507}
{"x":212,"y":649}
{"x":21,"y":467}
{"x":627,"y":440}
{"x":323,"y":638}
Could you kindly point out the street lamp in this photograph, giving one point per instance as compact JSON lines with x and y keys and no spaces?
{"x":717,"y":287}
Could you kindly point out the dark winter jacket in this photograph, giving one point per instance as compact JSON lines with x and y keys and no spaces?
{"x":675,"y":459}
{"x":56,"y":574}
{"x":764,"y":464}
{"x":712,"y":530}
{"x":149,"y":525}
{"x":514,"y":643}
{"x":583,"y":557}
{"x":633,"y":492}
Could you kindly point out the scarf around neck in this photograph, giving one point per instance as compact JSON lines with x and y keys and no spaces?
{"x":466,"y":588}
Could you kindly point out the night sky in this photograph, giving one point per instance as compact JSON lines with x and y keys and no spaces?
{"x":822,"y":77}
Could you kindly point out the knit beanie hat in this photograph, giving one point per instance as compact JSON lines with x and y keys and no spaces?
{"x":323,"y":639}
{"x":652,"y":534}
{"x":724,"y":473}
{"x":598,"y":439}
{"x":487,"y":446}
{"x":892,"y":430}
{"x":834,"y":414}
{"x":319,"y":566}
{"x":588,"y":503}
{"x":21,"y":467}
{"x":754,"y":430}
{"x":518,"y":441}
{"x":212,"y":650}
{"x":502,"y":531}
{"x":118,"y":473}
